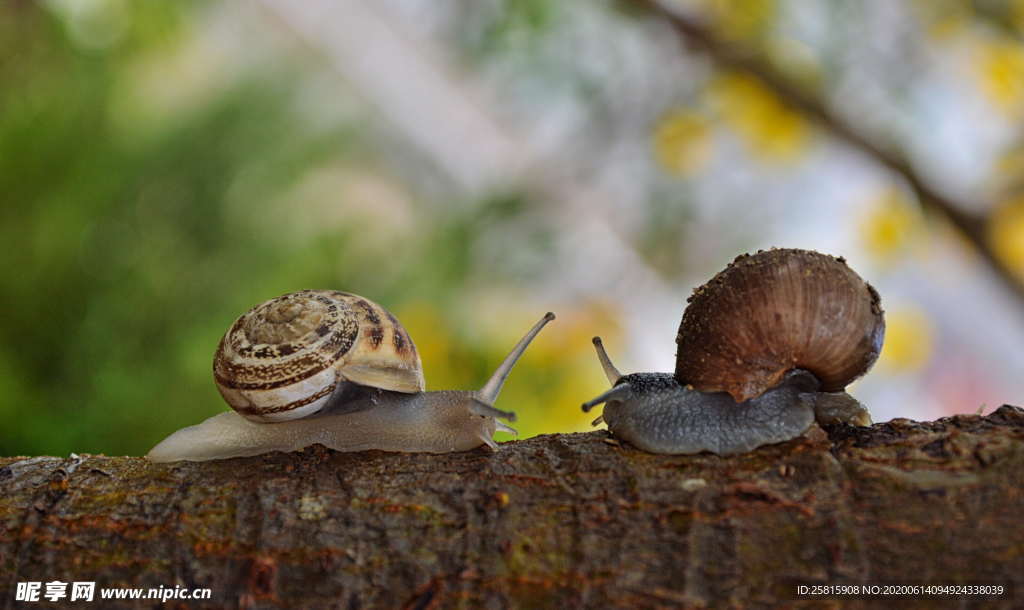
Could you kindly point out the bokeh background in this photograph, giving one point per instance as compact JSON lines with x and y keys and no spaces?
{"x":471,"y":164}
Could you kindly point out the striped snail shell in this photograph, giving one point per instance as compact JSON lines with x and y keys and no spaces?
{"x":285,"y":358}
{"x":774,"y":311}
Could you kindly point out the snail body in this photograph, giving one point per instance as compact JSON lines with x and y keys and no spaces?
{"x":337,"y":369}
{"x":765,"y":348}
{"x":424,"y":422}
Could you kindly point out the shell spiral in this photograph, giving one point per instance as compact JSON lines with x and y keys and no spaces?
{"x":284,"y":358}
{"x":775,"y":311}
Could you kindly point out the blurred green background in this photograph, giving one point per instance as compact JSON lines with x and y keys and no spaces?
{"x":166,"y":166}
{"x":143,"y":213}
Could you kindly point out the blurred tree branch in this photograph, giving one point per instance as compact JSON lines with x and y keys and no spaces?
{"x":998,"y":14}
{"x":735,"y":57}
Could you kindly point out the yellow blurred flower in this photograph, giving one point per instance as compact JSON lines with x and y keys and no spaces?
{"x":556,"y":374}
{"x":944,"y":20}
{"x":797,"y":59}
{"x":909,"y":340}
{"x":682,"y":142}
{"x":742,"y":19}
{"x":1017,"y":13}
{"x":559,"y":371}
{"x":433,"y":339}
{"x":891,"y":225}
{"x":1001,"y":71}
{"x":1008,"y":174}
{"x":1006,"y":230}
{"x":775,"y":132}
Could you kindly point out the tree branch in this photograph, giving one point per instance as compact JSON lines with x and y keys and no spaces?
{"x":734,"y":57}
{"x":572,"y":520}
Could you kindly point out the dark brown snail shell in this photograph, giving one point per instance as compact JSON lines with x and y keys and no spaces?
{"x":774,"y":311}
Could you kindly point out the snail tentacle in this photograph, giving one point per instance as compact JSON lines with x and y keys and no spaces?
{"x":619,"y":393}
{"x":489,"y":393}
{"x":503,"y":427}
{"x":610,"y":371}
{"x":484,"y":409}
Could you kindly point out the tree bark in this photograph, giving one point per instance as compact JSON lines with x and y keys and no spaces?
{"x":570,"y":520}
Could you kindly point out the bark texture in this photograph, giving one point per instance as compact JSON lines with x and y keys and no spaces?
{"x":574,"y":520}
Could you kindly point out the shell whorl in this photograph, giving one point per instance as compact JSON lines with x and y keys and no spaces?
{"x":774,"y":311}
{"x":284,"y":358}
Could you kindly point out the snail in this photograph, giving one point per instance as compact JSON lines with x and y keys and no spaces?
{"x":764,"y":349}
{"x":329,"y":367}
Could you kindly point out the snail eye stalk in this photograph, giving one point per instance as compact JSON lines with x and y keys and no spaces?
{"x":610,"y":371}
{"x":621,"y":392}
{"x":489,"y":393}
